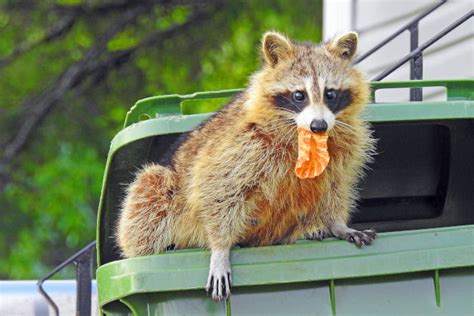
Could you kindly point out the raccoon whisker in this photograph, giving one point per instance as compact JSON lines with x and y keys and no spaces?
{"x":286,"y":110}
{"x":286,"y":119}
{"x":290,"y":135}
{"x":342,"y":128}
{"x":284,"y":139}
{"x":281,"y":127}
{"x":289,"y":141}
{"x":343,"y":124}
{"x":290,"y":120}
{"x":284,"y":123}
{"x":287,"y":133}
{"x":285,"y":113}
{"x":277,"y":131}
{"x":336,"y":131}
{"x":289,"y":123}
{"x":278,"y":124}
{"x":287,"y":138}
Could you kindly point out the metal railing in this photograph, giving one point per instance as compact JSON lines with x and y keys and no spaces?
{"x":411,"y":26}
{"x":84,"y":260}
{"x":416,"y":64}
{"x":416,"y":52}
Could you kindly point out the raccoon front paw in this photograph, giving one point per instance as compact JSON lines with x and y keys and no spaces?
{"x":361,"y":238}
{"x":318,"y":235}
{"x":218,"y":285}
{"x":220,"y":277}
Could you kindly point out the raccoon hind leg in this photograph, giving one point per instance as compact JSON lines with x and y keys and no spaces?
{"x":147,"y":215}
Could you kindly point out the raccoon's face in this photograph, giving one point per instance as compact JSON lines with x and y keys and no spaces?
{"x":311,"y":84}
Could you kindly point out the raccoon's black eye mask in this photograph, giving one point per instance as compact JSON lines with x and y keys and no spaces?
{"x":292,"y":101}
{"x":337,"y":100}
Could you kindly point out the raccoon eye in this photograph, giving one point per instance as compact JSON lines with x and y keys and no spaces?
{"x":330,"y":94}
{"x":299,"y":96}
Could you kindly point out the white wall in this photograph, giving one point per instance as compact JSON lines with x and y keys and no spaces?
{"x":452,"y":57}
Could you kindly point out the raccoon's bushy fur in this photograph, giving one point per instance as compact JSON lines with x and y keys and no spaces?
{"x":231,"y":182}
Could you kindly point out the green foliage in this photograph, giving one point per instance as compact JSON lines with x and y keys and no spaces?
{"x":48,"y":208}
{"x":57,"y":200}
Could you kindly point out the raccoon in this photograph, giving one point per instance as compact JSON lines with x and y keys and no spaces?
{"x":231,"y":181}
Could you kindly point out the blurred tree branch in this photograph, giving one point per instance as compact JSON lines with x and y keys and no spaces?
{"x":72,"y":14}
{"x":91,"y":65}
{"x":53,"y":33}
{"x":39,"y":106}
{"x":100,"y":8}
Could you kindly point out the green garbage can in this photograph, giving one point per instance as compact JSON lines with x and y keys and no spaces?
{"x":421,"y":202}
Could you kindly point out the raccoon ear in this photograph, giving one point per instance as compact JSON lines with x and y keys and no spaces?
{"x":275,"y":48}
{"x":344,"y":46}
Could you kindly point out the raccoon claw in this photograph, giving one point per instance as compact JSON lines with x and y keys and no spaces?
{"x":218,"y":286}
{"x":319,"y":235}
{"x":361,"y":238}
{"x":219,"y":280}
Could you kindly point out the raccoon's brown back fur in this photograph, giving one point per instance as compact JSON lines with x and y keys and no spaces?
{"x":232,"y":181}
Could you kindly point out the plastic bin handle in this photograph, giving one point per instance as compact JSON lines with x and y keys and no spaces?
{"x":170,"y":104}
{"x":456,"y":89}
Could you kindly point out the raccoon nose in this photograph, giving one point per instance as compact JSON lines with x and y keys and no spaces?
{"x":318,"y":126}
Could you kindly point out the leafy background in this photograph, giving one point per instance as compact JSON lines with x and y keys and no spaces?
{"x":69,"y":71}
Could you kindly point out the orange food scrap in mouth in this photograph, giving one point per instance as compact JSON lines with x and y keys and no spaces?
{"x":313,"y":155}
